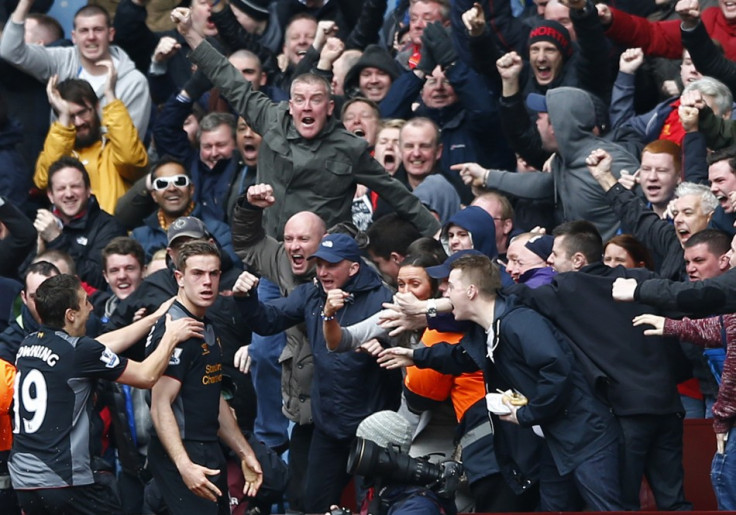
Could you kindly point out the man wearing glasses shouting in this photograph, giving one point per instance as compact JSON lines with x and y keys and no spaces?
{"x":172,"y":190}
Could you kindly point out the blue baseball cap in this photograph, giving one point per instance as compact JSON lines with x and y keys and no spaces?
{"x":442,"y":271}
{"x":537,"y":102}
{"x":336,"y":247}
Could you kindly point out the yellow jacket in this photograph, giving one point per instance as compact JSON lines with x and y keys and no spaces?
{"x":113,"y":164}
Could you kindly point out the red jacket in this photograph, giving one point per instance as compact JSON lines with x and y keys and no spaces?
{"x":662,"y":38}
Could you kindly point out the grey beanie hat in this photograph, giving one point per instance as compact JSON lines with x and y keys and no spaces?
{"x":386,"y":428}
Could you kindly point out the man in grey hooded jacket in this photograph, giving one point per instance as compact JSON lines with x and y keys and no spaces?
{"x":568,"y":127}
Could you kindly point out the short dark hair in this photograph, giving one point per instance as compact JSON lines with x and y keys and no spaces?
{"x":581,"y":236}
{"x":195,"y":248}
{"x":44,"y":268}
{"x":167,"y":159}
{"x":724,"y":153}
{"x":49,"y":24}
{"x":211,"y":121}
{"x":52,"y":255}
{"x":92,"y":10}
{"x":480,"y":271}
{"x":123,"y":246}
{"x":718,"y":242}
{"x":427,"y":245}
{"x":67,"y":162}
{"x":54,"y":296}
{"x":78,"y":91}
{"x":370,"y":103}
{"x":391,"y":233}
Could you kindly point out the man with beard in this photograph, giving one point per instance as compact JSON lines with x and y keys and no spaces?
{"x":173,"y":192}
{"x":115,"y":159}
{"x":92,"y":35}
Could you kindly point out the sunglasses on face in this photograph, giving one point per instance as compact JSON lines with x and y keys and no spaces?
{"x":161,"y":183}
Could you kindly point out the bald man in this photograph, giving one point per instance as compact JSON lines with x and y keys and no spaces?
{"x":285,"y":266}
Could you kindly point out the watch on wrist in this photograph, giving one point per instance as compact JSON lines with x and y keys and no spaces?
{"x":431,"y":308}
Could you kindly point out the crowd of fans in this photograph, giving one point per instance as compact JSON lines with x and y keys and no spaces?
{"x":358,"y":208}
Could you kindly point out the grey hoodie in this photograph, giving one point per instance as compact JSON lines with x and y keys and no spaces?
{"x":572,"y":114}
{"x":577,"y":195}
{"x":42,"y":62}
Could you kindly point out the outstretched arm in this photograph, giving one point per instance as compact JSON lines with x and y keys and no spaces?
{"x":657,"y":39}
{"x":146,"y":373}
{"x":254,"y":106}
{"x":121,"y":339}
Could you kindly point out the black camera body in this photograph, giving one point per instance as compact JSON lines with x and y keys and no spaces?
{"x":392,"y":466}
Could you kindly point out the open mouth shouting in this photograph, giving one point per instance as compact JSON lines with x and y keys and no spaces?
{"x":389,"y":160}
{"x":543,"y":73}
{"x":683,"y":234}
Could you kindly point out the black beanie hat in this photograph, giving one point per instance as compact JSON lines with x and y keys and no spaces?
{"x":373,"y":56}
{"x":256,"y":9}
{"x":555,"y":33}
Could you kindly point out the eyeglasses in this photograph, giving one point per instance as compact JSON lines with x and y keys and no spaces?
{"x":81,"y":113}
{"x":180,"y":181}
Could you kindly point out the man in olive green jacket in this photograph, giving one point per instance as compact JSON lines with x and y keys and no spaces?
{"x":311,"y":162}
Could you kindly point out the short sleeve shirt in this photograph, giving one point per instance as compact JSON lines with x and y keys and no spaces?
{"x":197,"y":365}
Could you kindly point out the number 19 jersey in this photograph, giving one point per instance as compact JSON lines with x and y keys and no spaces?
{"x":52,"y":408}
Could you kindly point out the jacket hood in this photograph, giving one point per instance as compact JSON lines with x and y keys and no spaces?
{"x":480,"y":226}
{"x":125,"y":63}
{"x":438,"y":194}
{"x":374,"y":56}
{"x":572,"y":114}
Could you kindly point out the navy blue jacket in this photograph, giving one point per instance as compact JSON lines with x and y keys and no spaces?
{"x":471,"y":128}
{"x":211,"y":187}
{"x":84,"y":237}
{"x":480,"y":226}
{"x":20,"y":241}
{"x":153,"y":237}
{"x":347,"y":386}
{"x":635,"y":374}
{"x":723,"y":221}
{"x":534,"y":357}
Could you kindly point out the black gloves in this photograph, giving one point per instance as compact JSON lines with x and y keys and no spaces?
{"x":436,"y":40}
{"x":427,"y":62}
{"x":197,"y":85}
